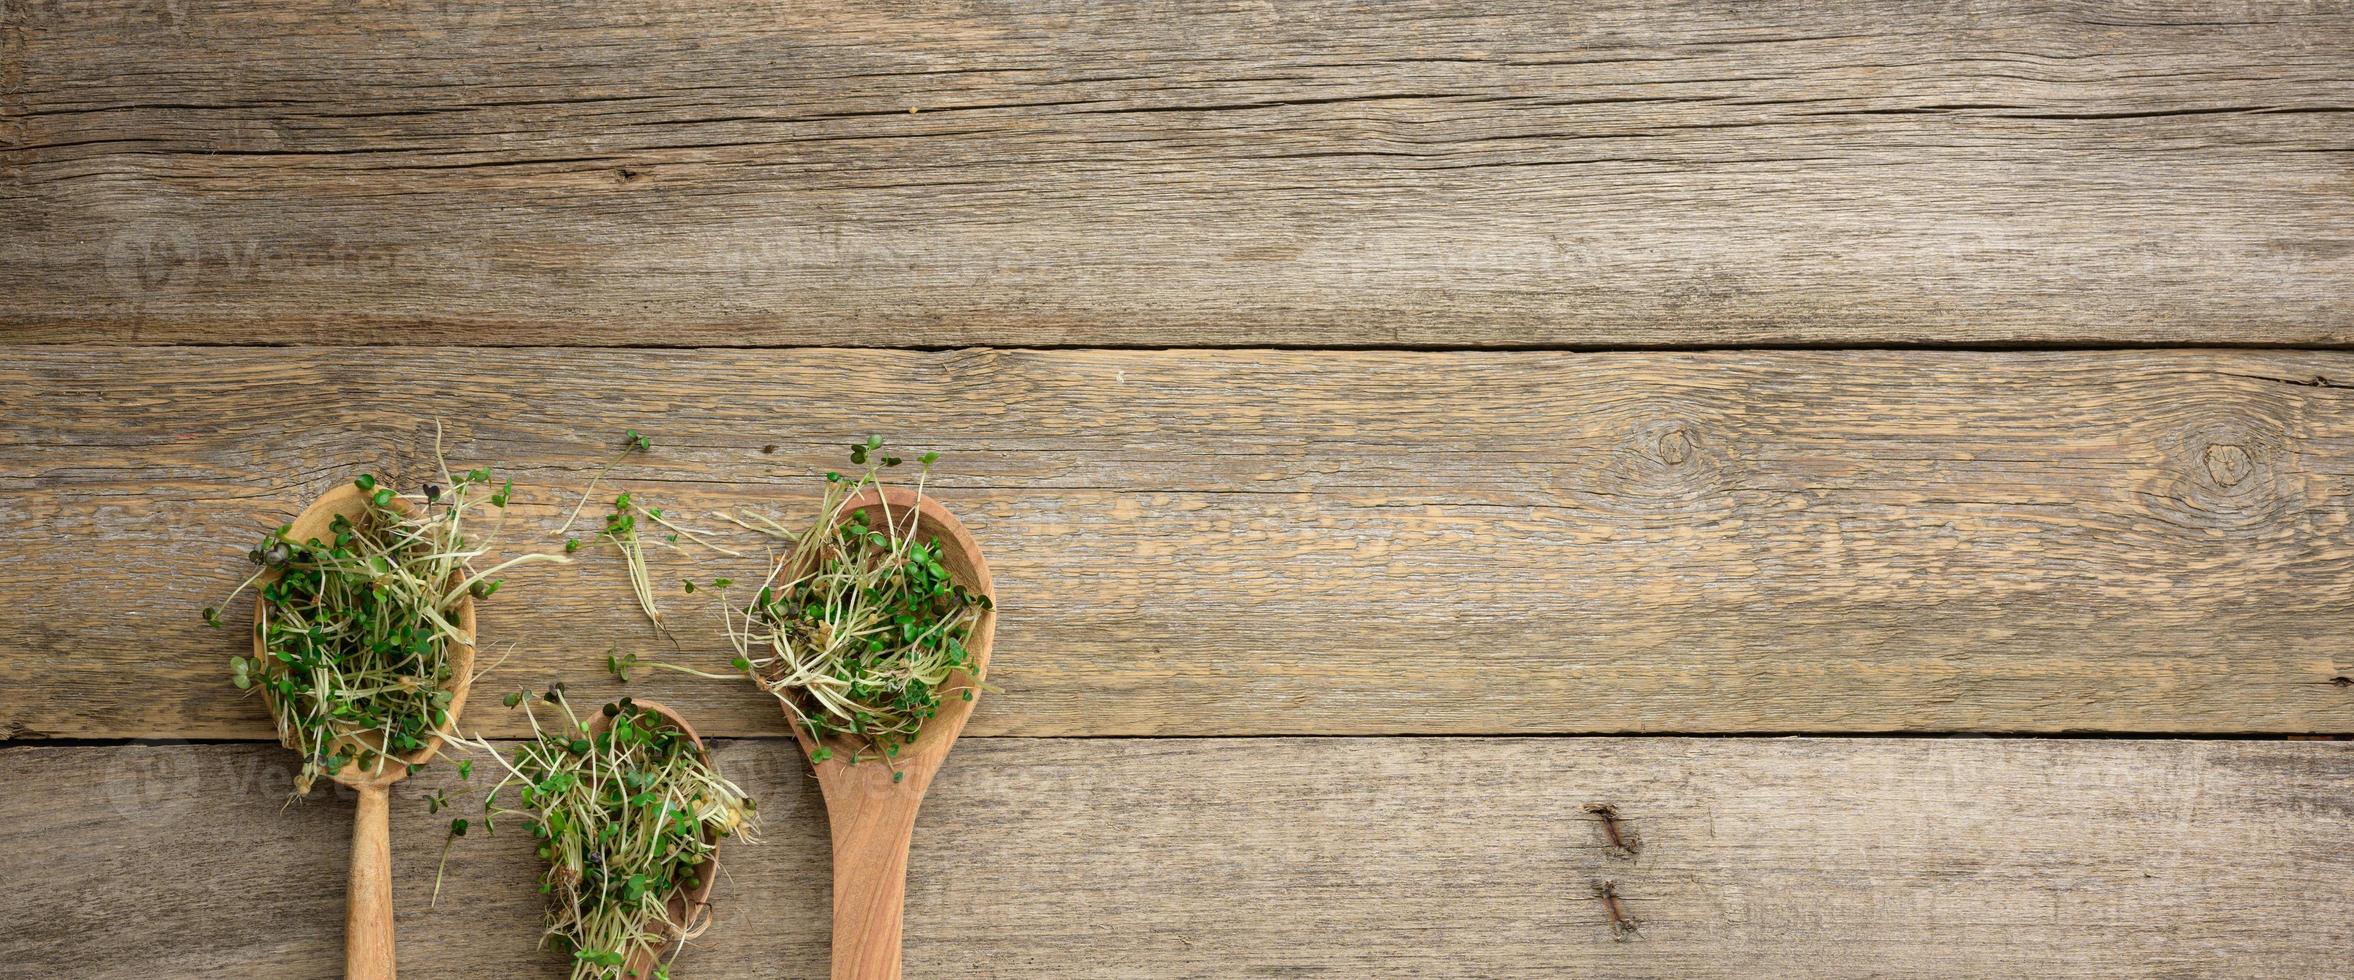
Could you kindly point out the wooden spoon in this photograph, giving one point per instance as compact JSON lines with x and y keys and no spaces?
{"x":687,"y":906}
{"x":367,"y":931}
{"x":873,"y":818}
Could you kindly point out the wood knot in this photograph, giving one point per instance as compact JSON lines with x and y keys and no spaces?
{"x":2229,"y":465}
{"x":1674,"y":447}
{"x":1667,"y":463}
{"x":2226,"y":472}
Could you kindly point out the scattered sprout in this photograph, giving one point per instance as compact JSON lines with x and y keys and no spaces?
{"x":631,"y":442}
{"x":621,"y":528}
{"x":620,"y":664}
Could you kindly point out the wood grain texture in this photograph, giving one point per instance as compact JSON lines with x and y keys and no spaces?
{"x":1400,"y":857}
{"x":1422,"y":172}
{"x":1285,"y":542}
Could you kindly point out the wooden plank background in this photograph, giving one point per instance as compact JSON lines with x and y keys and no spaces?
{"x":1153,"y":858}
{"x":1259,"y":542}
{"x":1482,"y":376}
{"x":1071,"y":172}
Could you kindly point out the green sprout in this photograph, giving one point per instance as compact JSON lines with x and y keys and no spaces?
{"x":626,"y":811}
{"x":859,"y":630}
{"x":631,"y":442}
{"x":358,"y":629}
{"x":457,"y":830}
{"x":622,"y":527}
{"x":619,"y":664}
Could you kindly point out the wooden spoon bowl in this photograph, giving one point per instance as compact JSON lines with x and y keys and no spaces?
{"x":368,"y":950}
{"x":688,"y":907}
{"x":871,"y":815}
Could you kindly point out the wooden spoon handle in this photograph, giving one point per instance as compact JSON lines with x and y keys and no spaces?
{"x":870,"y":882}
{"x":367,"y":927}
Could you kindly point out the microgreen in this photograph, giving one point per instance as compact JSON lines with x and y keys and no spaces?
{"x":457,"y":830}
{"x":631,"y":442}
{"x":619,"y":664}
{"x":625,"y":811}
{"x":622,"y":529}
{"x":859,"y":630}
{"x":358,"y":628}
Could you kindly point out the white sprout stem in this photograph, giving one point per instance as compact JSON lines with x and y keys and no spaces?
{"x":692,"y":536}
{"x":590,"y":492}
